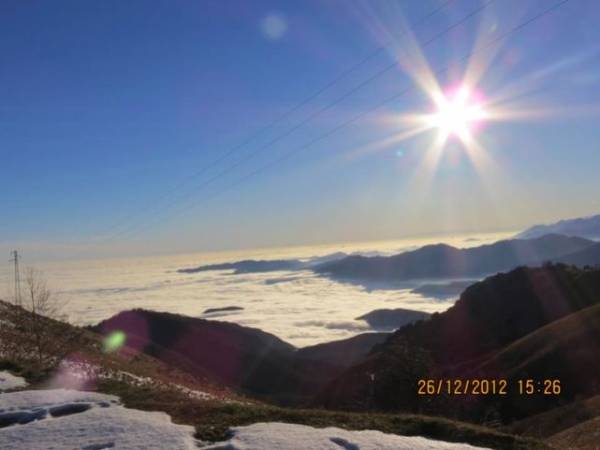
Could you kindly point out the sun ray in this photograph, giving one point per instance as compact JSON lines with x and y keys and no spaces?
{"x":540,"y":113}
{"x":424,"y":173}
{"x":480,"y":62}
{"x":402,"y":45}
{"x":381,"y":144}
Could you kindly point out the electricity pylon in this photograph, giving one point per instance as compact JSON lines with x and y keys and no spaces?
{"x":15,"y":259}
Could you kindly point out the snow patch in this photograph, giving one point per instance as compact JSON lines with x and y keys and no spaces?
{"x":61,"y":418}
{"x":78,"y":374}
{"x":283,"y":436}
{"x":9,"y":381}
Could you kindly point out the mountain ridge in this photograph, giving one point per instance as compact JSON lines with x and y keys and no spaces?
{"x":445,"y":261}
{"x":586,"y":227}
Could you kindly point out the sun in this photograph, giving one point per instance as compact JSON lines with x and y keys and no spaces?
{"x":457,"y":113}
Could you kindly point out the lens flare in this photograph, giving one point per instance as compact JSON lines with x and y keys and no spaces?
{"x":114,"y":341}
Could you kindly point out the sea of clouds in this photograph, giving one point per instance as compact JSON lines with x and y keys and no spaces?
{"x":296,"y":305}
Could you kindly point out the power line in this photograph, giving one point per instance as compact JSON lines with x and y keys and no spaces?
{"x":386,"y":101}
{"x":295,"y":108}
{"x":327,"y":107}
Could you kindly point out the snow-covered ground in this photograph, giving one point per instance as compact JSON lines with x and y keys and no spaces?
{"x":69,"y":419}
{"x":283,"y":436}
{"x":66,"y":419}
{"x":9,"y":381}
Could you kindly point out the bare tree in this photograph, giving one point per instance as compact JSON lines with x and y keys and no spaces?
{"x":32,"y":331}
{"x":41,"y":304}
{"x":38,"y":298}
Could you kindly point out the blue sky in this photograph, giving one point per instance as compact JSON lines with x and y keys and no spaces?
{"x":111,"y":111}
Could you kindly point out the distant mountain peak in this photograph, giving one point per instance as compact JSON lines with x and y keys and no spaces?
{"x":585,"y":227}
{"x":444,"y":261}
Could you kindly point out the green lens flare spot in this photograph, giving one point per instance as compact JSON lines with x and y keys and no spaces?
{"x":114,"y":341}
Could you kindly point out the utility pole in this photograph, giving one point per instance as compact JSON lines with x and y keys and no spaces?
{"x":15,"y":259}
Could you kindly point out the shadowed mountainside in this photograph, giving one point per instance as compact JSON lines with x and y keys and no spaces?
{"x":233,"y":354}
{"x":240,"y":357}
{"x":343,"y":351}
{"x":530,"y":323}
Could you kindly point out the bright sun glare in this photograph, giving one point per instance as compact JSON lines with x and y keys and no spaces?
{"x":457,"y":113}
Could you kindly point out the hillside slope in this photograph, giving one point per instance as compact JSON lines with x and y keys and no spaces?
{"x":566,"y":350}
{"x":88,"y":362}
{"x":507,"y":326}
{"x":243,"y":358}
{"x":583,"y":436}
{"x":51,"y":415}
{"x":503,"y":308}
{"x":554,"y":421}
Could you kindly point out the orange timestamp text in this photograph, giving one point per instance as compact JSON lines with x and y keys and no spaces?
{"x":486,"y":386}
